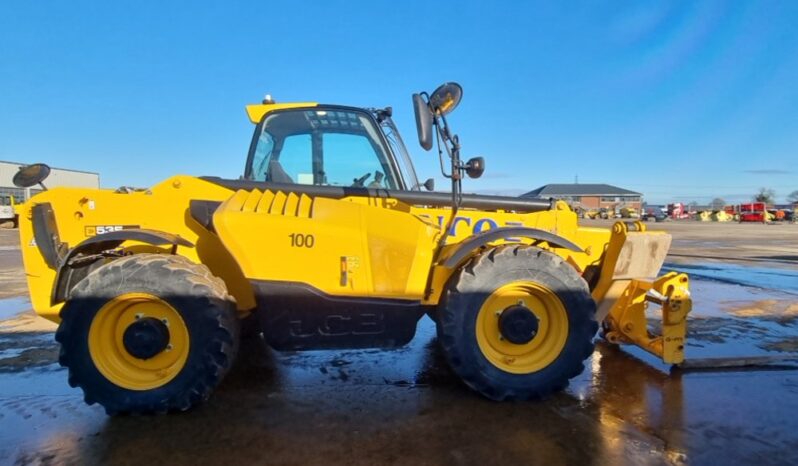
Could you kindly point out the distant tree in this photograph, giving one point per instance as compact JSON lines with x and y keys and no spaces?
{"x":793,"y":196}
{"x":765,"y":195}
{"x":718,"y":203}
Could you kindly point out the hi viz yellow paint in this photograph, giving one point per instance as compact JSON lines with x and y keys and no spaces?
{"x":547,"y":343}
{"x":114,"y":361}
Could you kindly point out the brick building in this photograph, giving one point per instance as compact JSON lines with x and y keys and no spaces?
{"x":589,"y":196}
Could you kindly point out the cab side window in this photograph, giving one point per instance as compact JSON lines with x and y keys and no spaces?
{"x":296,"y":159}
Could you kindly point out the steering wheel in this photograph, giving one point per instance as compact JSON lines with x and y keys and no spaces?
{"x":358,"y":182}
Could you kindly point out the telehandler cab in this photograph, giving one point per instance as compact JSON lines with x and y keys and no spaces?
{"x":330,"y":241}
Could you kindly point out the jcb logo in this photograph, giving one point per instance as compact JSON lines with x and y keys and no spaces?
{"x":94,"y":230}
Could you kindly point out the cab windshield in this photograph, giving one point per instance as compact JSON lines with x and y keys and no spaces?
{"x":321,"y":146}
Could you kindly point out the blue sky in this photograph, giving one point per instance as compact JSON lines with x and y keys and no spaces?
{"x":679,"y":100}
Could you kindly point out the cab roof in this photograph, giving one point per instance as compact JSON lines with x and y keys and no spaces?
{"x":256,"y":112}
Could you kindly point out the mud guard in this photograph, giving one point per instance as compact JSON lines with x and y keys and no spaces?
{"x":69,"y":274}
{"x":463,"y":249}
{"x":45,"y":233}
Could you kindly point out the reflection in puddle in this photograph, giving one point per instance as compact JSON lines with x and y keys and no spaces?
{"x":731,"y":320}
{"x":367,"y":406}
{"x":10,"y":307}
{"x":785,"y":280}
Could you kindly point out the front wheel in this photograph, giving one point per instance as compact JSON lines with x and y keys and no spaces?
{"x":517,"y":322}
{"x":148,"y":333}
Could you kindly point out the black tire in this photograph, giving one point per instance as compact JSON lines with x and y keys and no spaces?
{"x":470,"y":288}
{"x":202,"y":302}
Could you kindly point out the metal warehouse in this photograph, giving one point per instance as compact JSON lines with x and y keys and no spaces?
{"x":58,"y":177}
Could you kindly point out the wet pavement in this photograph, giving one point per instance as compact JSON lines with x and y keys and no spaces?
{"x":12,"y":278}
{"x":785,"y":280}
{"x":405,"y":406}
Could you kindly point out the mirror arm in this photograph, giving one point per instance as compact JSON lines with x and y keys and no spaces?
{"x":447,"y":136}
{"x":457,"y":168}
{"x":457,"y":184}
{"x":438,"y":137}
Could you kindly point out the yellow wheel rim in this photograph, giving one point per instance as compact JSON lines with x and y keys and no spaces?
{"x":547,"y":343}
{"x":112,"y":358}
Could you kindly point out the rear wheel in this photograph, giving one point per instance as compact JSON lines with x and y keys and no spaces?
{"x":148,"y":333}
{"x":517,"y":322}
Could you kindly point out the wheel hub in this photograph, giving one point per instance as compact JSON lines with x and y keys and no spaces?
{"x":146,"y":338}
{"x":518,"y":325}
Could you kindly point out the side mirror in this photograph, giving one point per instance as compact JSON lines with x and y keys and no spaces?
{"x":423,"y":121}
{"x":445,"y":98}
{"x":31,"y":175}
{"x":429,"y":185}
{"x":475,"y":167}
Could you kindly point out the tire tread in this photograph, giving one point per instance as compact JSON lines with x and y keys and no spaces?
{"x":473,"y":275}
{"x":193,"y":279}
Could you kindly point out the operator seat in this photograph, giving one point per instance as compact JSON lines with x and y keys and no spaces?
{"x":277,"y":174}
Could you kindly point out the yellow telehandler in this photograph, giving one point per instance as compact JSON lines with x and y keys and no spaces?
{"x":329,"y":240}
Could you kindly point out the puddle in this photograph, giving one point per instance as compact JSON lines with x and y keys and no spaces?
{"x":402,"y":367}
{"x":24,"y":350}
{"x":735,"y":337}
{"x":732,"y":320}
{"x":319,"y":406}
{"x":785,"y":280}
{"x":10,"y":307}
{"x":725,"y":299}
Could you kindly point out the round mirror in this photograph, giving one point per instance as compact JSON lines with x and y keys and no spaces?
{"x":475,"y":167}
{"x":31,"y":175}
{"x":445,"y":98}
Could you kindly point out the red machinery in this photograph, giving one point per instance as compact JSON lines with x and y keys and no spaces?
{"x":753,"y":212}
{"x":678,"y":211}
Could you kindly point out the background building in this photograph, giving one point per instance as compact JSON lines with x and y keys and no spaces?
{"x":58,"y":177}
{"x":589,"y":196}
